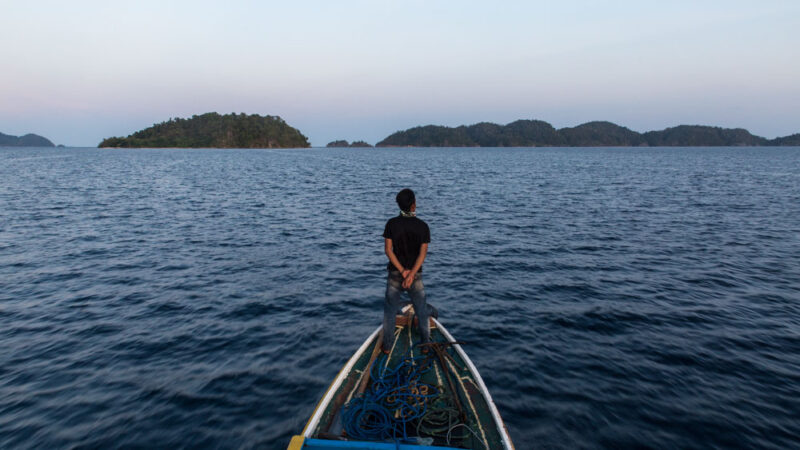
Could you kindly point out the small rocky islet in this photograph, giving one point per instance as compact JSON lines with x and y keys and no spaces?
{"x":344,"y":143}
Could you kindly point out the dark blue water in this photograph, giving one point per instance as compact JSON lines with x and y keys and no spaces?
{"x":206,"y":298}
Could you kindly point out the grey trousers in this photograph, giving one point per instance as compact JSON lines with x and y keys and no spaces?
{"x":394,"y":287}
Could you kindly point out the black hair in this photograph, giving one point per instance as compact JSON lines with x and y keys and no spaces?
{"x":405,"y":199}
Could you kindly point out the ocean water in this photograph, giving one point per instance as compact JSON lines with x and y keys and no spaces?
{"x":611,"y":298}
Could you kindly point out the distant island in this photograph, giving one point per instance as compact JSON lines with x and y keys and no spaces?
{"x":213,"y":130}
{"x":537,"y":133}
{"x":344,"y":143}
{"x":29,"y":140}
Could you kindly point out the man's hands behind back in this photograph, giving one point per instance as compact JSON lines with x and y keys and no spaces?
{"x":408,"y":278}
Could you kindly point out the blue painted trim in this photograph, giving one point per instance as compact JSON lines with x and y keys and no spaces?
{"x":322,"y":444}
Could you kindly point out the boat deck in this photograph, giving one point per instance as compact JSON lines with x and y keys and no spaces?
{"x":434,"y":399}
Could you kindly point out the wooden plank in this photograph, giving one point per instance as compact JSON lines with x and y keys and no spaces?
{"x":324,"y":402}
{"x":375,"y":351}
{"x":402,"y":321}
{"x":340,"y":398}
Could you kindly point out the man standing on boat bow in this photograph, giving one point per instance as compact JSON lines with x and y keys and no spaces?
{"x":406,"y":239}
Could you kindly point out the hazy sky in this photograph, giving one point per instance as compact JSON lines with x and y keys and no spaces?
{"x":79,"y":71}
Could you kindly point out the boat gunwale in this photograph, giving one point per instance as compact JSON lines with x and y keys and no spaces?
{"x":501,"y":426}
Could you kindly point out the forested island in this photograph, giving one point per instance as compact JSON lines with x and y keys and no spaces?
{"x":28,"y":140}
{"x":344,"y":143}
{"x":213,"y":130}
{"x":537,"y":133}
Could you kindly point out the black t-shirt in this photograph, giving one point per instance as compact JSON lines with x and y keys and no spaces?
{"x":407,"y":235}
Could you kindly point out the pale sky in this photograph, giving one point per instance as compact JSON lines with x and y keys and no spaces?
{"x":79,"y":71}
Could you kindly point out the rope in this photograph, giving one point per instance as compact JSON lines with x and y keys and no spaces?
{"x":442,"y":421}
{"x":486,"y":446}
{"x":398,"y":407}
{"x":395,"y":398}
{"x":442,"y":415}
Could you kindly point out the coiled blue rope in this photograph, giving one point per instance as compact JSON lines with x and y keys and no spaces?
{"x":395,"y":399}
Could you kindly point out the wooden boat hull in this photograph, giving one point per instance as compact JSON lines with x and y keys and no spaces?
{"x":453,"y":373}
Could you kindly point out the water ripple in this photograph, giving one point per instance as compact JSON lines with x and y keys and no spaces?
{"x":610,"y":297}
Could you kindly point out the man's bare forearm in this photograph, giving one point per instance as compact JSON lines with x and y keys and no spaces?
{"x":409,"y":277}
{"x":396,"y":263}
{"x":392,"y":257}
{"x":423,"y":251}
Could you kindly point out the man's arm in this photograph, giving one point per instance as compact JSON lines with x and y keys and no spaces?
{"x":387,"y":248}
{"x":409,"y":278}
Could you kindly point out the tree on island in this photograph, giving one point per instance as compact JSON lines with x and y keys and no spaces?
{"x":793,"y":140}
{"x":694,"y":135}
{"x":212,"y":130}
{"x":360,"y":144}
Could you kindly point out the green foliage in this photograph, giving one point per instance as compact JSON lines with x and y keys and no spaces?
{"x":697,"y":135}
{"x":429,"y":136}
{"x":792,"y":140}
{"x":28,"y":140}
{"x":360,"y":144}
{"x":600,"y":134}
{"x":531,"y":133}
{"x":522,"y":133}
{"x":341,"y":143}
{"x":536,"y":133}
{"x":212,"y":130}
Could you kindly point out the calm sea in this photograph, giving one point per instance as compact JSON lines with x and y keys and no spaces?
{"x":636,"y":297}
